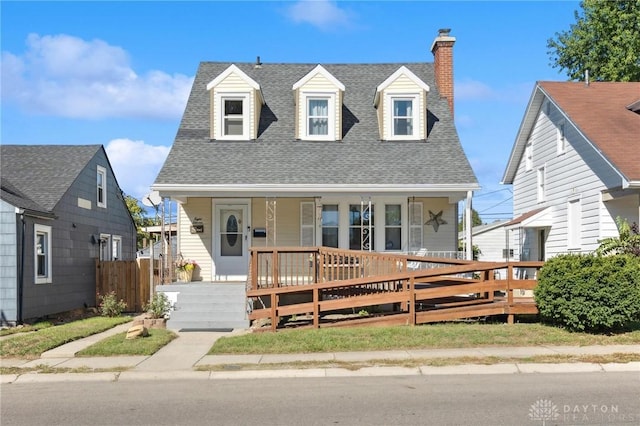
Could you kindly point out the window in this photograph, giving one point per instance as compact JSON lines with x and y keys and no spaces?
{"x":233,"y":116}
{"x":528,"y":157}
{"x":541,"y":184}
{"x":42,"y":253}
{"x":415,"y":226}
{"x":573,"y":224}
{"x":403,"y":117}
{"x":105,"y":247}
{"x":318,"y":113}
{"x":393,"y":227}
{"x":116,"y":247}
{"x":319,"y":117}
{"x":330,"y":221}
{"x":561,"y":143}
{"x":101,"y":197}
{"x":307,"y":224}
{"x":361,"y":233}
{"x":504,"y":253}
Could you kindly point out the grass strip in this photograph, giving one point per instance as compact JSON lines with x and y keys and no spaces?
{"x":32,"y":345}
{"x":25,"y":328}
{"x":429,"y":336}
{"x":118,"y":344}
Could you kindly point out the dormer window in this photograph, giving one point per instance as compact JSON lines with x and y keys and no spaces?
{"x":236,"y":102}
{"x":401,"y":101}
{"x":318,"y":97}
{"x":233,"y":116}
{"x":403,"y":116}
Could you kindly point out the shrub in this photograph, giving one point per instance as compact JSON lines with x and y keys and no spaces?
{"x":158,"y":306}
{"x":110,"y":306}
{"x":589,"y":293}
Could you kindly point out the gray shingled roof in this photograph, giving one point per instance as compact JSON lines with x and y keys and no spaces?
{"x":361,"y":158}
{"x":43,"y":173}
{"x":12,"y":195}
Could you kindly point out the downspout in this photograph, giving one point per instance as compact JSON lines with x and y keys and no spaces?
{"x":21,"y":271}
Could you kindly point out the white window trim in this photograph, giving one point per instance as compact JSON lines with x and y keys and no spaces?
{"x":541,"y":183}
{"x":528,"y":157}
{"x":103,"y":172}
{"x":105,"y":241}
{"x":46,"y":230}
{"x":416,"y":108}
{"x":561,"y":138}
{"x":331,"y":124}
{"x":247,"y":114}
{"x":116,"y":250}
{"x":574,"y":224}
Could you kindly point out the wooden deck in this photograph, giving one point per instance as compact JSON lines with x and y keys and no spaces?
{"x":318,"y":283}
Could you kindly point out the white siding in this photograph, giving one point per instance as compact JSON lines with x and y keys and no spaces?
{"x":578,"y":173}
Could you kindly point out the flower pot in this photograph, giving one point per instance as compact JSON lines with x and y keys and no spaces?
{"x":183,"y":275}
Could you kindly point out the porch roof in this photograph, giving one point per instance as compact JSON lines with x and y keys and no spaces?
{"x":538,"y":218}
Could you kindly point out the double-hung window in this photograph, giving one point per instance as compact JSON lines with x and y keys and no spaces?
{"x":116,"y":247}
{"x":318,"y":116}
{"x":101,"y":185}
{"x":330,"y":225}
{"x":561,"y":143}
{"x":233,"y":116}
{"x":42,"y":253}
{"x":403,"y":117}
{"x":393,"y":227}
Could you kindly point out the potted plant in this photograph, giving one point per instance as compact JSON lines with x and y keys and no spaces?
{"x":184,"y":269}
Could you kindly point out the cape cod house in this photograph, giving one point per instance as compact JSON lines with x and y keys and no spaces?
{"x":60,"y":209}
{"x":574,"y":167}
{"x":352,"y":156}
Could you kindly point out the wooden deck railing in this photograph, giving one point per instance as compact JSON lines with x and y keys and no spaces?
{"x":315,"y":281}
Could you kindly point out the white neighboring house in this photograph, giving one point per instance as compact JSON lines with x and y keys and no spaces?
{"x":574,"y":167}
{"x":491,"y":239}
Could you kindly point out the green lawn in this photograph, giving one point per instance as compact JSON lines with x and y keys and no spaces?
{"x":118,"y":345}
{"x":25,"y":328}
{"x":442,"y":335}
{"x":32,"y":345}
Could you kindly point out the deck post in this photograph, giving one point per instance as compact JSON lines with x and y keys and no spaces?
{"x":316,"y":308}
{"x":412,"y":301}
{"x":274,"y":310}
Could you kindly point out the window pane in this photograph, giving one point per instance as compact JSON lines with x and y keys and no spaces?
{"x":402,"y":126}
{"x":41,"y":250}
{"x":330,"y":237}
{"x":233,"y":126}
{"x":393,"y":239}
{"x":330,"y":215}
{"x":392,"y":215}
{"x":233,"y":107}
{"x":318,"y":126}
{"x":402,"y":108}
{"x":318,"y":107}
{"x":355,"y":241}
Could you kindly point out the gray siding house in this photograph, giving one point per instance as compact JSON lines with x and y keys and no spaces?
{"x":574,"y":167}
{"x":60,"y":209}
{"x":352,"y":156}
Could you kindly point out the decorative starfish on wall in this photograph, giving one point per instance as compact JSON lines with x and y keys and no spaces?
{"x":435,"y":220}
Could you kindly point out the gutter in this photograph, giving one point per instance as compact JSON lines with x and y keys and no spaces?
{"x":20,"y":282}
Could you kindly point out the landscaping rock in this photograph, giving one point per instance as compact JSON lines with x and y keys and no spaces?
{"x":137,"y":331}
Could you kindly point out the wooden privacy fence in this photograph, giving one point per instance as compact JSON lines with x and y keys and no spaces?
{"x":129,"y":279}
{"x":413,"y":289}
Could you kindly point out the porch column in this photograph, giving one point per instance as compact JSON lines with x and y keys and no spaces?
{"x":467,"y":230}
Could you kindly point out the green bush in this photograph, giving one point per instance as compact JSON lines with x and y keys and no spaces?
{"x":158,"y":306}
{"x":589,"y":293}
{"x":110,"y":306}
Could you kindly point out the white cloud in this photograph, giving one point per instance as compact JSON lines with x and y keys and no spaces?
{"x":66,"y":76}
{"x":324,"y":14}
{"x":135,"y":164}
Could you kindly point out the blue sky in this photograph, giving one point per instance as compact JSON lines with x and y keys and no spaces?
{"x":119,"y":73}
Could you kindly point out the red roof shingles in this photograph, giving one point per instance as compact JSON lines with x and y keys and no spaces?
{"x":600,"y":111}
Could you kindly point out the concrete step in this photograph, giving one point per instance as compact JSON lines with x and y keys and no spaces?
{"x":207,"y":325}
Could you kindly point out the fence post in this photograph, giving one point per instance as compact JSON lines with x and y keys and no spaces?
{"x":412,"y":301}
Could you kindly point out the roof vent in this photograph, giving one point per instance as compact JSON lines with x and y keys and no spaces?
{"x":258,"y":63}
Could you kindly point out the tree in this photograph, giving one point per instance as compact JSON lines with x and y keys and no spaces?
{"x":138,"y":213}
{"x":605,"y":40}
{"x":627,"y":243}
{"x":475,"y":219}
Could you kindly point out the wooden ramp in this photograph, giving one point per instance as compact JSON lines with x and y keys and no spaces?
{"x":329,"y":287}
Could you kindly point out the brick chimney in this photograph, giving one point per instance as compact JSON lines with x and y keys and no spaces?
{"x":442,"y":49}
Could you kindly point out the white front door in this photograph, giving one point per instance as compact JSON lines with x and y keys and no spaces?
{"x":231,"y":254}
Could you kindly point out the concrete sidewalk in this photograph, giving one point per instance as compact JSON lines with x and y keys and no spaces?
{"x":186,"y":355}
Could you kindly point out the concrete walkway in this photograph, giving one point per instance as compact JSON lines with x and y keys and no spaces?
{"x":186,"y":356}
